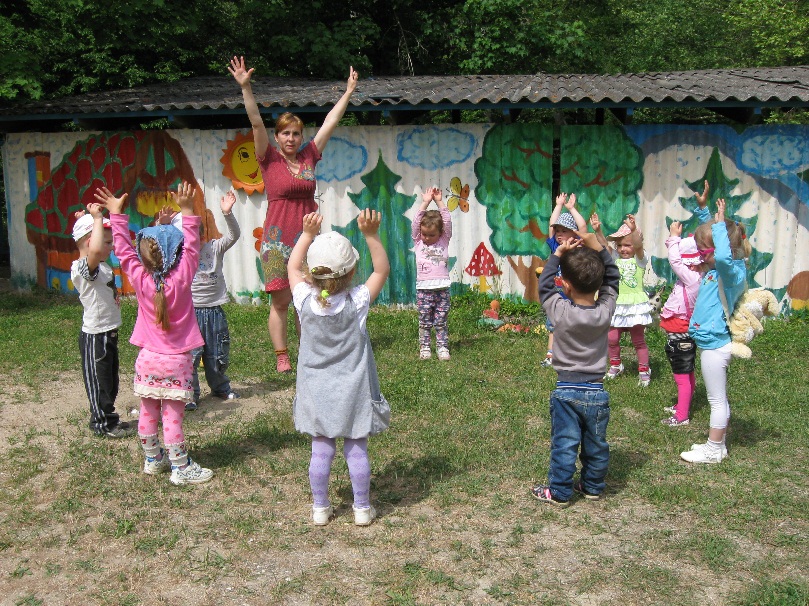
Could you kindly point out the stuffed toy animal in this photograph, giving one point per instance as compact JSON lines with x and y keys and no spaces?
{"x":745,"y":322}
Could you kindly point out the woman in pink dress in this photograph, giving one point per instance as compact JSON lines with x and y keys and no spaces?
{"x":289,"y":182}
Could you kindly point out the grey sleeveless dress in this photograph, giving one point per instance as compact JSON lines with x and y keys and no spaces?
{"x":337,"y":391}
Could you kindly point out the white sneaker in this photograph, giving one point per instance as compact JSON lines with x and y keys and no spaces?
{"x":703,"y":455}
{"x":615,"y":371}
{"x":644,"y":378}
{"x":364,"y":517}
{"x":192,"y":474}
{"x":425,"y":353}
{"x":322,"y":515}
{"x":153,"y":466}
{"x":701,"y":445}
{"x":443,"y":353}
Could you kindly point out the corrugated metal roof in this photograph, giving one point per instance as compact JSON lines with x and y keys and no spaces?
{"x":778,"y":86}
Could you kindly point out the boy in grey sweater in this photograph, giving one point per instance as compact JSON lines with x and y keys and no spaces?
{"x":579,"y":406}
{"x":209,"y":292}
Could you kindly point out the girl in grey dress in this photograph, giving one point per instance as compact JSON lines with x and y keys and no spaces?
{"x":337,"y":392}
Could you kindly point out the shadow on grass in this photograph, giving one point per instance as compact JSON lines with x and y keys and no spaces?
{"x":407,"y":481}
{"x":745,"y":432}
{"x":624,"y":464}
{"x":257,"y":438}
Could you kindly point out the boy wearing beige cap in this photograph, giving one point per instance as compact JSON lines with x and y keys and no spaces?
{"x":98,"y":340}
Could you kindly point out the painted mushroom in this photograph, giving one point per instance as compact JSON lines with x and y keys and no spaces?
{"x":482,"y":266}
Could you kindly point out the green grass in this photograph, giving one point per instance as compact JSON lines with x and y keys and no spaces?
{"x":450,"y":479}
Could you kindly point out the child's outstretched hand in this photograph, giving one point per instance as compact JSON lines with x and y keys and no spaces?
{"x":239,"y":71}
{"x":165,"y":215}
{"x":95,"y":209}
{"x":570,"y":203}
{"x":702,"y":200}
{"x":427,"y":196}
{"x":227,"y":202}
{"x":720,"y":210}
{"x":590,"y":240}
{"x":311,"y":224}
{"x":561,"y":199}
{"x":109,"y":201}
{"x":184,"y":198}
{"x":676,"y":229}
{"x":630,"y":222}
{"x":567,"y":245}
{"x":368,"y":221}
{"x":595,"y":222}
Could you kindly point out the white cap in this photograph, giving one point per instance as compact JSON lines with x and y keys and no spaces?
{"x":689,"y":254}
{"x":84,"y":225}
{"x":332,"y":251}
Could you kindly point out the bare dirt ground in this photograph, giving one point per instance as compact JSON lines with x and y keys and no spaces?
{"x":498,"y":549}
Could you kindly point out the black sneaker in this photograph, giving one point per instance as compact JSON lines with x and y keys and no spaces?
{"x":191,"y":405}
{"x":122,"y":430}
{"x":579,"y":487}
{"x":542,"y":492}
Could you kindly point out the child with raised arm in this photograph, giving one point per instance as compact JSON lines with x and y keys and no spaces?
{"x":633,"y":312}
{"x":561,"y":227}
{"x":431,"y":231}
{"x":98,"y":340}
{"x":724,"y":247}
{"x":579,"y":406}
{"x":209,"y":293}
{"x":337,"y":391}
{"x":160,"y":268}
{"x":680,"y":348}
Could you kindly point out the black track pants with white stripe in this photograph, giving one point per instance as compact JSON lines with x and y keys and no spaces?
{"x":99,"y":364}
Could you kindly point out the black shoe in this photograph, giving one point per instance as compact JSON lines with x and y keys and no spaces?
{"x":579,"y":487}
{"x":122,"y":430}
{"x":191,"y":405}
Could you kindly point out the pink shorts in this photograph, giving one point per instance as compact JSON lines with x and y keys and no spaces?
{"x":164,"y":376}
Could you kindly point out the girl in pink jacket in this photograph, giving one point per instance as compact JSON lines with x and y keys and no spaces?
{"x":161,"y":267}
{"x":680,"y":348}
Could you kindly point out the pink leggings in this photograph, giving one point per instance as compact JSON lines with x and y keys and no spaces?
{"x":173,"y":414}
{"x":638,"y":342}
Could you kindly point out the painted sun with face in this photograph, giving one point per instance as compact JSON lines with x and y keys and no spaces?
{"x":240,"y":164}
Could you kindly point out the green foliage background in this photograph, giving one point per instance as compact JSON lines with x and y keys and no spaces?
{"x":51,"y":48}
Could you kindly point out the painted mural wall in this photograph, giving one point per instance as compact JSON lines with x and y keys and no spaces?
{"x":497,"y":180}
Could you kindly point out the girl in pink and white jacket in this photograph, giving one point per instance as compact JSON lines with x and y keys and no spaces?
{"x":680,"y":348}
{"x":674,"y":317}
{"x":431,"y":231}
{"x":161,"y":267}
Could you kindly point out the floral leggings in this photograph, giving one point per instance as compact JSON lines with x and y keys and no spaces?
{"x":433,"y":306}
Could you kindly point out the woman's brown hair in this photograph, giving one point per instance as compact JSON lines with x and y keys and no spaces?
{"x":152,"y":260}
{"x":285,"y":120}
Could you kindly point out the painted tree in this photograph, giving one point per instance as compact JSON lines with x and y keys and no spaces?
{"x":380,"y":194}
{"x":604,"y":168}
{"x":514,"y":174}
{"x":721,"y":187}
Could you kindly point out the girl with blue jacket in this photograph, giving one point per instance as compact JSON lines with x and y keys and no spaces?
{"x":723,"y":246}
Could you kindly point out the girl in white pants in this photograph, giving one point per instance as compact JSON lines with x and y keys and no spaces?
{"x":723,"y":246}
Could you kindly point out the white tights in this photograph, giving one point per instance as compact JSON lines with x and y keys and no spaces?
{"x":714,"y":363}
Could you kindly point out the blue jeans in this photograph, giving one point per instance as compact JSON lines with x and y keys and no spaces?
{"x":215,"y":353}
{"x":578,"y":418}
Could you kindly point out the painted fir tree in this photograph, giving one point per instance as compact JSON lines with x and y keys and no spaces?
{"x":380,"y":194}
{"x":720,"y":187}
